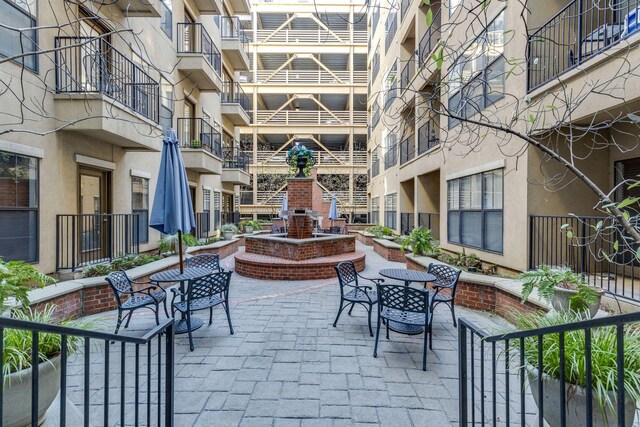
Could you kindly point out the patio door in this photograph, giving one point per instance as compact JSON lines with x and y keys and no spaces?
{"x":227,"y":208}
{"x":94,"y":226}
{"x":95,"y":66}
{"x":190,"y":138}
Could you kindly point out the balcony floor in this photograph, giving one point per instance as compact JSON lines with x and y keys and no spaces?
{"x":287,"y":365}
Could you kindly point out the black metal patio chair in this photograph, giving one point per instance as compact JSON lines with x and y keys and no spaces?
{"x":446,"y":280}
{"x":210,"y":261}
{"x":352,"y":292}
{"x":403,"y":304}
{"x":201,"y":294}
{"x":129,"y":299}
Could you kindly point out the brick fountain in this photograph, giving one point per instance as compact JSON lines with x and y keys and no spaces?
{"x":300,"y":254}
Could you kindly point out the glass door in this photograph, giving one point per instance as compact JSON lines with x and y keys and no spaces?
{"x":93,"y":221}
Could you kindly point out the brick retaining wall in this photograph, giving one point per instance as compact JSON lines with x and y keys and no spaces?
{"x":390,"y":253}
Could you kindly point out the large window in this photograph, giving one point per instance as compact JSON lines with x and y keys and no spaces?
{"x":475,"y":210}
{"x":140,"y":205}
{"x":390,"y":209}
{"x":206,"y":208}
{"x":166,"y":18}
{"x":477,"y":76}
{"x":19,"y":14}
{"x":18,"y":207}
{"x":375,"y":210}
{"x":166,"y":104}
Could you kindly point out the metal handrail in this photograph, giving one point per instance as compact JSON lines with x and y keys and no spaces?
{"x":194,"y":38}
{"x":429,"y":40}
{"x":231,"y":28}
{"x":197,"y":133}
{"x":233,"y":93}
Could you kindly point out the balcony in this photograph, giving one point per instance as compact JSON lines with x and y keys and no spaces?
{"x":234,"y":43}
{"x":311,"y":77}
{"x":319,"y":36}
{"x":101,"y":93}
{"x":198,"y":57}
{"x":235,"y":166}
{"x":579,"y":31}
{"x":407,"y":73}
{"x":235,"y":104}
{"x":428,"y":137}
{"x":201,"y":145}
{"x":319,"y":118}
{"x":429,"y":41}
{"x":322,"y":158}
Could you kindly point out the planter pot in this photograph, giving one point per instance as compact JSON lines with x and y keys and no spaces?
{"x":576,"y":403}
{"x":561,"y":298}
{"x":17,"y":393}
{"x":472,"y":269}
{"x":248,"y":229}
{"x":227,"y":235}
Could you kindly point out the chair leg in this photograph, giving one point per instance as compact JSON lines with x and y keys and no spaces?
{"x":424,"y":351}
{"x":453,"y":314}
{"x":119,"y":321}
{"x":129,"y":316}
{"x":189,"y":330}
{"x":164,"y":303}
{"x":210,"y":315}
{"x":375,"y":347}
{"x":156,"y":313}
{"x":351,"y":309}
{"x":342,"y":307}
{"x":370,"y":310}
{"x":226,"y":309}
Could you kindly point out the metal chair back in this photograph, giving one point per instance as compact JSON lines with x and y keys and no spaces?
{"x":446,"y":276}
{"x":210,"y":261}
{"x":347,"y":274}
{"x":208,"y":286}
{"x":403,"y":298}
{"x":120,"y":284}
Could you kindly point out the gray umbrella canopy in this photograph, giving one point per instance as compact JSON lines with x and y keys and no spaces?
{"x":172,"y":210}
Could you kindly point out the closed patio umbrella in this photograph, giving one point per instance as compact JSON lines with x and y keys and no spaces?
{"x":333,"y":210}
{"x":172,"y":210}
{"x":283,"y":210}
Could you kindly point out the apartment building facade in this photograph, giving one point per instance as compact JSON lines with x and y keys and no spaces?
{"x":83,"y":116}
{"x":308,"y":85}
{"x":486,"y":192}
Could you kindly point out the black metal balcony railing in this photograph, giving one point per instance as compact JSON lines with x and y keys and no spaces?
{"x":232,"y":93}
{"x":406,"y":223}
{"x":198,"y":133}
{"x":430,"y":220}
{"x":146,"y":387}
{"x":407,"y":73}
{"x":500,"y":375}
{"x":427,"y":137}
{"x":392,"y":93}
{"x":375,"y":168}
{"x":234,"y":158}
{"x":246,"y":197}
{"x":391,"y":156}
{"x":231,"y":28}
{"x":392,"y":26}
{"x":580,"y":30}
{"x":408,"y":149}
{"x":230,"y":217}
{"x":93,"y":65}
{"x":583,"y":252}
{"x":84,"y":239}
{"x":430,"y":39}
{"x":194,"y":38}
{"x":203,"y":224}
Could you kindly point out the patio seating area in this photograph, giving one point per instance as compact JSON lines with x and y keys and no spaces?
{"x":287,"y":365}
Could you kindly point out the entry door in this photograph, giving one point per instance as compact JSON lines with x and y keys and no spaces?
{"x":227,"y":207}
{"x":93,"y":225}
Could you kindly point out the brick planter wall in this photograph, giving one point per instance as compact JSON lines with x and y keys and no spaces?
{"x":299,"y":250}
{"x":365,"y":240}
{"x":390,"y":253}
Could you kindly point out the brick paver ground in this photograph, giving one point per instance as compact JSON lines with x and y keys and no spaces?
{"x":287,"y":366}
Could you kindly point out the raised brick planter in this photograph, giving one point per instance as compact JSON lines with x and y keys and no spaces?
{"x":299,"y":249}
{"x":364,"y":238}
{"x":389,"y":250}
{"x":276,"y":268}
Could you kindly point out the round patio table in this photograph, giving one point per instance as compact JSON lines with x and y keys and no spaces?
{"x":170,"y":276}
{"x":406,"y":276}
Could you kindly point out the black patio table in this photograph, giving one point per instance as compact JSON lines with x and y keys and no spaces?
{"x":406,"y":276}
{"x":170,"y":276}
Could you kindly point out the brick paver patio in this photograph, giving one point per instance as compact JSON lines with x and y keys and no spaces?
{"x":287,"y":366}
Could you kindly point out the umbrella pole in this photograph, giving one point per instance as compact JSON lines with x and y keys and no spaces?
{"x":180,"y":251}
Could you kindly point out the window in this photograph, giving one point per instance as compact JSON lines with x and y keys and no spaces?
{"x":217,"y":205}
{"x":19,"y":14}
{"x":206,"y":208}
{"x":391,"y":150}
{"x":18,"y":207}
{"x":166,"y":104}
{"x":474,"y":205}
{"x":375,"y":210}
{"x":453,"y":5}
{"x":477,"y":76}
{"x":140,"y":206}
{"x":390,"y":206}
{"x":166,"y":18}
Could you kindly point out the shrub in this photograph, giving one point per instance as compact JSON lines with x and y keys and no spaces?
{"x":17,"y":278}
{"x":421,"y":242}
{"x":123,"y":263}
{"x":545,"y":279}
{"x":379,"y":230}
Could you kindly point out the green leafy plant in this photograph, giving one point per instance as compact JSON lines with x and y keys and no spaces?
{"x":189,"y":240}
{"x":421,"y":242}
{"x":17,"y":278}
{"x":379,"y":231}
{"x":196,"y":143}
{"x":97,"y":270}
{"x":546,"y":279}
{"x":229,"y":227}
{"x":603,"y":352}
{"x":300,"y":151}
{"x":123,"y":263}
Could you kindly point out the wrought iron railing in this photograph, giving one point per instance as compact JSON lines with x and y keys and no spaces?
{"x":429,"y":40}
{"x":584,"y":250}
{"x":579,"y":31}
{"x":407,"y":73}
{"x":391,"y":26}
{"x":408,"y":149}
{"x":427,"y":137}
{"x":391,"y":93}
{"x":406,"y":222}
{"x":85,"y":239}
{"x":230,"y":217}
{"x":143,"y":392}
{"x":194,"y":38}
{"x":197,"y":133}
{"x":93,"y":65}
{"x":430,"y":220}
{"x":232,"y":93}
{"x":391,"y":156}
{"x":231,"y":28}
{"x":502,"y":376}
{"x":234,"y":158}
{"x":203,"y":224}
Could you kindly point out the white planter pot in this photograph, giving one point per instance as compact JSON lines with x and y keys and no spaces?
{"x":248,"y":229}
{"x":17,"y":393}
{"x":561,"y":300}
{"x":227,"y":235}
{"x":576,"y":403}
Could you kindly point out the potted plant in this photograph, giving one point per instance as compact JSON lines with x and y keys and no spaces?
{"x":300,"y":159}
{"x":421,"y":242}
{"x":247,"y":226}
{"x":604,"y":383}
{"x":563,"y":288}
{"x":472,"y":262}
{"x":196,"y":143}
{"x":228,"y":230}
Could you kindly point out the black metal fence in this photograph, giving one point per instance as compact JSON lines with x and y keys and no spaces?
{"x":198,"y":133}
{"x":84,"y":239}
{"x":430,"y":220}
{"x":194,"y":38}
{"x":503,"y":379}
{"x":232,"y":93}
{"x":93,"y":65}
{"x":143,"y":392}
{"x":429,"y":40}
{"x":234,"y":158}
{"x":581,"y":29}
{"x":203,"y":224}
{"x":230,"y":217}
{"x":408,"y":149}
{"x":427,"y":137}
{"x":231,"y":28}
{"x":406,"y":223}
{"x":584,"y":249}
{"x":407,"y":73}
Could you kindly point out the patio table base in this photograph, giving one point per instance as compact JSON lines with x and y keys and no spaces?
{"x":181,"y":325}
{"x":405,"y":328}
